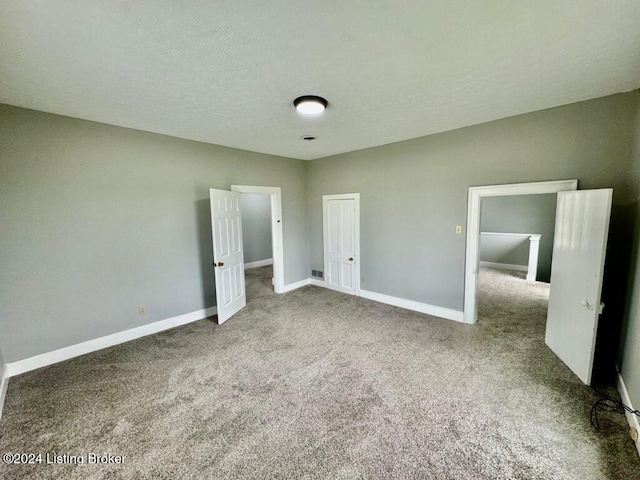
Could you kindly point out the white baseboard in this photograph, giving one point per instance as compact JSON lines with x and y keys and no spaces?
{"x":258,"y":263}
{"x":442,"y":312}
{"x":295,"y":285}
{"x":505,"y":266}
{"x":631,"y":419}
{"x":21,"y":366}
{"x":4,"y":382}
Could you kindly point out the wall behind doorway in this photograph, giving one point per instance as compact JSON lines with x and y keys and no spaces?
{"x":524,"y":214}
{"x":256,"y":226}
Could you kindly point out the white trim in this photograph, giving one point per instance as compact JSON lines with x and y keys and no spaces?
{"x":504,"y":266}
{"x":534,"y":251}
{"x":507,"y":234}
{"x":447,"y":313}
{"x":296,"y":285}
{"x":631,"y":418}
{"x":277,"y":238}
{"x":343,"y":196}
{"x":441,"y":312}
{"x":473,"y":229}
{"x":21,"y":366}
{"x":4,"y":382}
{"x":258,"y":263}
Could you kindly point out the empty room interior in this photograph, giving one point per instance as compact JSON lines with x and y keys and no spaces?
{"x":320,"y":239}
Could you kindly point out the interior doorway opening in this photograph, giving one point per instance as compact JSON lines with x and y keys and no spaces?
{"x":256,"y":230}
{"x":579,"y":251}
{"x":476,"y":196}
{"x":262,"y":230}
{"x":257,"y":244}
{"x":515,"y":254}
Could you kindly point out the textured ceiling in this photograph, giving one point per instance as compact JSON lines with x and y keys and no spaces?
{"x":226,"y":72}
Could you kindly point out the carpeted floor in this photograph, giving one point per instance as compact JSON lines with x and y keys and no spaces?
{"x":317,"y":384}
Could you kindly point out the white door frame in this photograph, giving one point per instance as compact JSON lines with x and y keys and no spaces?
{"x":276,"y":229}
{"x":473,"y":230}
{"x":343,"y":196}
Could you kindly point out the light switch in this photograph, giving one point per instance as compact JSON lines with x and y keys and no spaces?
{"x":458,"y":229}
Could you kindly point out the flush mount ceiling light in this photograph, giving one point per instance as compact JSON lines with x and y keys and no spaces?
{"x":310,"y":104}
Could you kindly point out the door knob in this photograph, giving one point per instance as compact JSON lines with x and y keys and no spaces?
{"x":586,"y":304}
{"x":220,"y":264}
{"x":351,"y":259}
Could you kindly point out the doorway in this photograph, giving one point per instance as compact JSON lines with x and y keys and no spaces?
{"x":472,"y":264}
{"x":579,"y":248}
{"x":265,"y":204}
{"x":515,"y":253}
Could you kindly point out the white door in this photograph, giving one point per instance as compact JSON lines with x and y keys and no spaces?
{"x":226,"y":227}
{"x":341,"y":242}
{"x":580,"y":243}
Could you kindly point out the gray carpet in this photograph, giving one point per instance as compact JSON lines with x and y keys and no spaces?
{"x":317,"y":384}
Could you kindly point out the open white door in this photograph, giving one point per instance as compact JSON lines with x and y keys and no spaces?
{"x":341,"y":231}
{"x":228,"y":262}
{"x":582,"y":226}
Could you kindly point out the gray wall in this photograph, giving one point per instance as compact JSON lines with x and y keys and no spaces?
{"x":512,"y":250}
{"x":629,"y":353}
{"x":523,"y":214}
{"x":98,"y":220}
{"x":256,"y":226}
{"x":414,"y":193}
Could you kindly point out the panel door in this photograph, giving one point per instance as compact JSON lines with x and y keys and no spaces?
{"x":228,"y":261}
{"x":340,"y":244}
{"x":580,"y":243}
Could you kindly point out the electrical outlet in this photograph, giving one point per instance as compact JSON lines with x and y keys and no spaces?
{"x":142,"y":311}
{"x":458,"y":229}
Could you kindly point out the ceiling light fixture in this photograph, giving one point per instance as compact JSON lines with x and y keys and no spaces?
{"x":310,"y":104}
